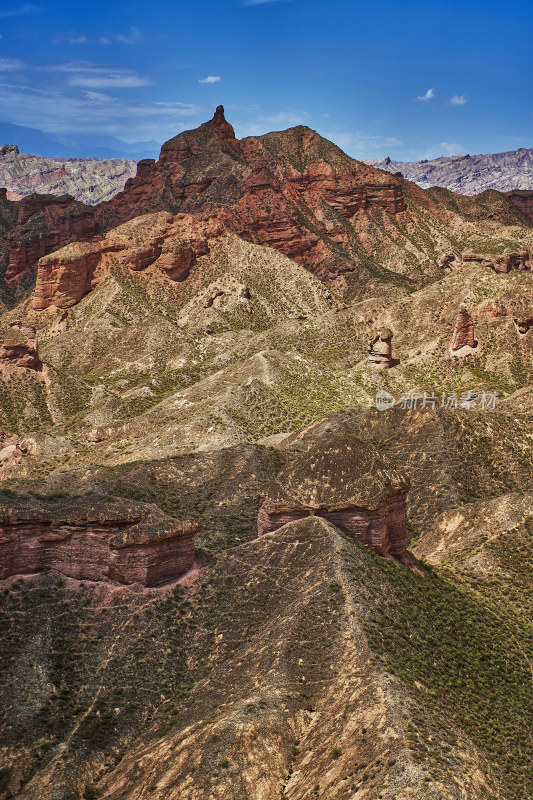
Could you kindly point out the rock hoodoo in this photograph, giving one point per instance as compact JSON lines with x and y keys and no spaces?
{"x":380,"y":349}
{"x":346,"y":481}
{"x":19,"y":348}
{"x":94,"y":539}
{"x":463,"y":335}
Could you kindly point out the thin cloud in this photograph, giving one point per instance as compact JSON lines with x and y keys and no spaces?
{"x":261,"y":2}
{"x":429,"y":95}
{"x":210,"y":79}
{"x":10,"y":64}
{"x":25,"y":8}
{"x":459,"y":100}
{"x":451,"y":149}
{"x":132,"y":38}
{"x":95,"y":76}
{"x":59,"y":110}
{"x":72,"y":37}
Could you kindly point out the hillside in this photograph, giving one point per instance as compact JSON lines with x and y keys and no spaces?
{"x":224,"y":572}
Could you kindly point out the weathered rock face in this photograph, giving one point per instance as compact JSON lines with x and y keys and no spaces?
{"x":346,"y":482}
{"x":255,"y":188}
{"x":463,"y":335}
{"x":522,"y":200}
{"x":18,"y":347}
{"x":95,"y":540}
{"x":500,"y":263}
{"x":63,"y":277}
{"x":45,"y":223}
{"x":380,"y":349}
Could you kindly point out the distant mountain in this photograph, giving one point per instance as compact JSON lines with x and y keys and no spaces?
{"x":90,"y":180}
{"x":74,"y":145}
{"x":468,"y":174}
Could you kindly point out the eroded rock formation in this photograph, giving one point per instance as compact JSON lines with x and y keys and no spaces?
{"x":254,"y":188}
{"x":345,"y":481}
{"x":523,"y":324}
{"x":522,"y":200}
{"x":45,"y":223}
{"x":94,"y":539}
{"x":463,"y":335}
{"x":501,"y":262}
{"x":19,"y":348}
{"x":63,"y":277}
{"x":380,"y":349}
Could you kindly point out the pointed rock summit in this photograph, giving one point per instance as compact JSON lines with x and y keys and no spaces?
{"x":222,"y":128}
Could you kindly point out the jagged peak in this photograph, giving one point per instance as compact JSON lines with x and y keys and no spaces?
{"x":189,"y":142}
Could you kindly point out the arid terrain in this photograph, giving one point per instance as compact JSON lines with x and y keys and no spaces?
{"x":90,"y":180}
{"x":266,"y":501}
{"x":468,"y":174}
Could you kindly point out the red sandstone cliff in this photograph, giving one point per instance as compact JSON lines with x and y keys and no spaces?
{"x":346,"y":482}
{"x":19,"y":348}
{"x":94,"y":539}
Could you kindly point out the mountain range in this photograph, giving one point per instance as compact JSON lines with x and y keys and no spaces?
{"x":468,"y":174}
{"x":266,"y":494}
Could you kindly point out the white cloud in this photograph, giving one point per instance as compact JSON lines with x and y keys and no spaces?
{"x":96,"y":76}
{"x":113,"y":79}
{"x":210,"y":79}
{"x":63,"y":109}
{"x":259,"y":2}
{"x":287,"y":118}
{"x":459,"y":100}
{"x":429,"y":95}
{"x":131,"y":38}
{"x":19,"y":11}
{"x":10,"y":64}
{"x":450,"y":148}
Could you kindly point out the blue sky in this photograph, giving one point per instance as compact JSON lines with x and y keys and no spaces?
{"x":406,"y":79}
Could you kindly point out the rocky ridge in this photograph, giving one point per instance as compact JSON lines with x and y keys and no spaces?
{"x":90,"y":181}
{"x":466,"y":174}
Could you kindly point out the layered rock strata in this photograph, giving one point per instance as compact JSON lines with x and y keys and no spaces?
{"x":63,"y":277}
{"x":380,"y":349}
{"x":94,"y":539}
{"x":44,"y":223}
{"x":89,"y":180}
{"x":19,"y":348}
{"x":254,"y":188}
{"x":348,"y":483}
